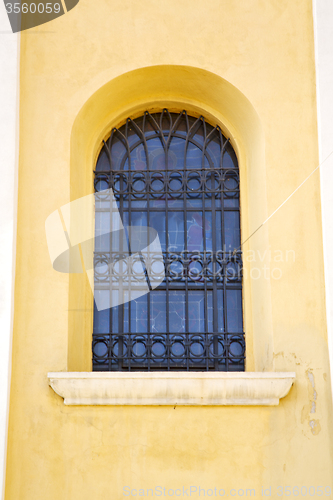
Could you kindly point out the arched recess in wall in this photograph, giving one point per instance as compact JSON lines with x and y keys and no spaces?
{"x":201,"y":93}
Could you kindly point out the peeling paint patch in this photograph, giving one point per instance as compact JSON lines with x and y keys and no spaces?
{"x":315,"y":427}
{"x":312,"y":382}
{"x":314,"y":424}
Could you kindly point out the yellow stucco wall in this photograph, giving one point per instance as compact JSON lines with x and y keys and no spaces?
{"x":250,"y":68}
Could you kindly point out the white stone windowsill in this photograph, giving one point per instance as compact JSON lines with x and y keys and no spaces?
{"x":171,"y":388}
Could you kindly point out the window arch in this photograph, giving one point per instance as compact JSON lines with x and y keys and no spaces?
{"x":178,"y":175}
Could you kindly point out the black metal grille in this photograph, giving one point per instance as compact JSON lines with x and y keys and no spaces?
{"x":178,"y":175}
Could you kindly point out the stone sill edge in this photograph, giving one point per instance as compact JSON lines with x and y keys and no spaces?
{"x":163,"y":388}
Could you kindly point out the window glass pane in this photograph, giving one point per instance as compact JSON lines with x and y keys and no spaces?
{"x":193,"y":156}
{"x":214,"y":151}
{"x":115,"y":312}
{"x":231,"y":202}
{"x":157,"y":312}
{"x":232,"y":230}
{"x":125,"y":308}
{"x":102,"y":232}
{"x":102,"y":316}
{"x":176,"y":231}
{"x":103,"y":162}
{"x":119,"y":234}
{"x":118,"y":154}
{"x":210,"y":311}
{"x":220,"y":313}
{"x":208,"y":231}
{"x":177,"y":311}
{"x":138,"y":240}
{"x":229,"y":159}
{"x":194,"y":202}
{"x":139,"y":315}
{"x":199,"y":134}
{"x":218,"y":226}
{"x":196,"y":312}
{"x":156,"y":155}
{"x":139,"y":162}
{"x":157,"y":221}
{"x":132,"y":136}
{"x":176,"y":154}
{"x":234,"y":311}
{"x":195,"y":231}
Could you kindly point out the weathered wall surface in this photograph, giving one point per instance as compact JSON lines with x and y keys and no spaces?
{"x":83,"y":73}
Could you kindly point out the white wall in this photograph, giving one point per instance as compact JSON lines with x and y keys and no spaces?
{"x":9,"y":74}
{"x":323,"y":31}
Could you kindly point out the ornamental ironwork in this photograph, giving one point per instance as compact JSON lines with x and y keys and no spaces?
{"x":178,"y":175}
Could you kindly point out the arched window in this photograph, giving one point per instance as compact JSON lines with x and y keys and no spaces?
{"x":179,"y":175}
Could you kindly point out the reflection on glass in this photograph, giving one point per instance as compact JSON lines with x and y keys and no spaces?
{"x":132,"y":137}
{"x":157,"y":311}
{"x":156,"y":155}
{"x":176,"y":231}
{"x":195,"y":224}
{"x":196,"y":312}
{"x":175,"y":202}
{"x":177,"y":311}
{"x":139,"y":315}
{"x":176,"y":154}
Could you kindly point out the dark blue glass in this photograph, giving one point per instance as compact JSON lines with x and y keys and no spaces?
{"x":220,"y":313}
{"x":139,"y":315}
{"x":177,"y":311}
{"x":156,"y":155}
{"x":158,"y":311}
{"x":231,"y":230}
{"x":196,"y":311}
{"x":118,"y":155}
{"x":102,"y":317}
{"x":157,"y":221}
{"x":193,"y":156}
{"x":176,"y":231}
{"x":234,"y":311}
{"x":195,"y":223}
